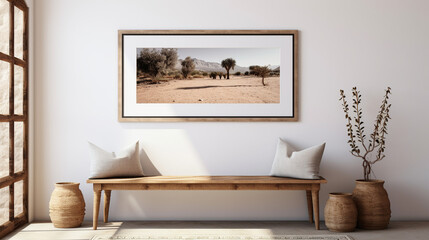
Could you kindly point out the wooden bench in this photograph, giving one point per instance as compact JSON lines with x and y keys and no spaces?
{"x":311,"y":187}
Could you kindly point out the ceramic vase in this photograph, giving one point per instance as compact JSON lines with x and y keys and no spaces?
{"x":372,"y":203}
{"x":67,"y":206}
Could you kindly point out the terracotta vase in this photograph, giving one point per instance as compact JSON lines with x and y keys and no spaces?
{"x":67,"y":206}
{"x":340,"y":212}
{"x":372,"y":203}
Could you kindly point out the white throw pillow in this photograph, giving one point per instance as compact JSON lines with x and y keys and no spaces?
{"x":125,"y":163}
{"x":297,"y":164}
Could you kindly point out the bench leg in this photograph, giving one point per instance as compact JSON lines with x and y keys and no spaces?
{"x":106,"y":205}
{"x":310,"y":206}
{"x":315,"y":196}
{"x":97,"y":196}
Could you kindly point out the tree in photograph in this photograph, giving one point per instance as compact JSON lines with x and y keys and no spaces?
{"x":151,"y":62}
{"x":170,"y":57}
{"x":213,"y":75}
{"x":155,"y":63}
{"x":228,"y":64}
{"x":187,"y":66}
{"x":252,"y":69}
{"x":262,"y":72}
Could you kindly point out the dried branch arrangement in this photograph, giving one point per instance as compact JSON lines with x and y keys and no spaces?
{"x":355,"y":131}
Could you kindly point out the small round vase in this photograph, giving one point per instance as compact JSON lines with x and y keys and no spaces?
{"x":372,"y":203}
{"x":340,"y":212}
{"x":67,"y":206}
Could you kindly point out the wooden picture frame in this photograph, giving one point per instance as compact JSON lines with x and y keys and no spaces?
{"x":281,"y":106}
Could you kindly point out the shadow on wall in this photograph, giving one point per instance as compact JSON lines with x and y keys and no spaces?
{"x":148,"y":168}
{"x":336,"y":175}
{"x":403,"y":196}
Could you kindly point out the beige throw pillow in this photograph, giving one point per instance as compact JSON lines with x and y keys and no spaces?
{"x":125,"y":163}
{"x":297,"y":164}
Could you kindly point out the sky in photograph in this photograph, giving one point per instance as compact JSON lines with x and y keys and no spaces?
{"x":244,"y":57}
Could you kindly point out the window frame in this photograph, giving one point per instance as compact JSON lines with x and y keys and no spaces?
{"x":15,"y":222}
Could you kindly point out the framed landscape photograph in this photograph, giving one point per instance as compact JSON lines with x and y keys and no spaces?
{"x":208,"y":75}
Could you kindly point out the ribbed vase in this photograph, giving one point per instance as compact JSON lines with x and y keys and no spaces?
{"x":340,"y":212}
{"x":372,"y":203}
{"x":67,"y":206}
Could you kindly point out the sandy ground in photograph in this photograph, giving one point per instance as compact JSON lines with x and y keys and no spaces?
{"x":206,"y":90}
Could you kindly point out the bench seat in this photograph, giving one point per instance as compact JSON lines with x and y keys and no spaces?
{"x":311,"y":186}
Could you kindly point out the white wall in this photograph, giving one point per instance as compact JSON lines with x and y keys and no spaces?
{"x":370,"y":44}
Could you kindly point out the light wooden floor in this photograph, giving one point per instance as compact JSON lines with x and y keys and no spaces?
{"x":45,"y":231}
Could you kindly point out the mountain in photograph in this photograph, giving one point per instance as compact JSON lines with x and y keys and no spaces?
{"x":202,"y":65}
{"x":273,"y":67}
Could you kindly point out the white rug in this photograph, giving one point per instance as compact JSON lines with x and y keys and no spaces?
{"x":225,"y":237}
